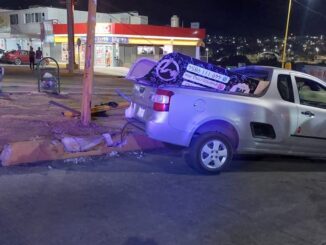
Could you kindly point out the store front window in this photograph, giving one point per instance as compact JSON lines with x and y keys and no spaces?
{"x":145,"y":50}
{"x":103,"y":55}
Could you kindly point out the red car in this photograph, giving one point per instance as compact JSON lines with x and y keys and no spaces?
{"x":17,"y":57}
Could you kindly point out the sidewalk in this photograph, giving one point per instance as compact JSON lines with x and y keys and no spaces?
{"x":100,"y":71}
{"x":108,"y":71}
{"x":32,"y":130}
{"x":112,"y":71}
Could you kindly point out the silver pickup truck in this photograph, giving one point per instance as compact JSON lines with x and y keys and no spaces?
{"x":286,"y":114}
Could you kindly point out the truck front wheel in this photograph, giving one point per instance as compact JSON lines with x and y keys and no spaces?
{"x":210,"y":153}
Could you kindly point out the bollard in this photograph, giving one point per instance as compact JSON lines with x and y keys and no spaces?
{"x":2,"y":73}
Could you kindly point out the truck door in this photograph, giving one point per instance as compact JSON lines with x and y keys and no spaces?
{"x":285,"y":111}
{"x":311,"y":99}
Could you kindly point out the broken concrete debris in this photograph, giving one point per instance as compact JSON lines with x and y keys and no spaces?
{"x":29,"y":151}
{"x":108,"y":139}
{"x":5,"y":154}
{"x":77,"y":144}
{"x":113,"y":154}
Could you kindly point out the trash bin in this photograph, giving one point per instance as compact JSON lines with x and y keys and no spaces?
{"x":48,"y":75}
{"x":116,"y":62}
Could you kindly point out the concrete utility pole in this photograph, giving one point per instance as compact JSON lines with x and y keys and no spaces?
{"x":71,"y":35}
{"x":89,"y":64}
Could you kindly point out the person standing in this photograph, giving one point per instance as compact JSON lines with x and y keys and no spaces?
{"x":107,"y":58}
{"x":38,"y":55}
{"x":31,"y":58}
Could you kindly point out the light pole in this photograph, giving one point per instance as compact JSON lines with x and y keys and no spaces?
{"x":286,"y":34}
{"x":207,"y":54}
{"x":89,"y":64}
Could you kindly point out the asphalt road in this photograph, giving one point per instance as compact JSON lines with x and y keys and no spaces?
{"x":154,"y":198}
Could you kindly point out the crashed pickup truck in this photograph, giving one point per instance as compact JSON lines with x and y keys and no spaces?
{"x":216,"y":113}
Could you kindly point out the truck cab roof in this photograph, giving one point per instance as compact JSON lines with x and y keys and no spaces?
{"x":265,"y":72}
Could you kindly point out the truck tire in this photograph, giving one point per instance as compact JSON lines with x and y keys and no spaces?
{"x":210,"y":153}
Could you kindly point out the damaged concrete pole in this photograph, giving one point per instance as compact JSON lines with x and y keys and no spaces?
{"x":78,"y":144}
{"x":89,"y":64}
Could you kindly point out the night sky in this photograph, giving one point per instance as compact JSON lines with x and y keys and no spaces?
{"x":225,"y":17}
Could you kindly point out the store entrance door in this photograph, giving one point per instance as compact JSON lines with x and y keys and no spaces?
{"x":103,"y":55}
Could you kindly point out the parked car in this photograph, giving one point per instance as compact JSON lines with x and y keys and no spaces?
{"x":232,"y":61}
{"x":17,"y":57}
{"x":286,"y":115}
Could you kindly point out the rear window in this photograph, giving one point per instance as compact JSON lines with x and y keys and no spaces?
{"x":253,"y":73}
{"x":284,"y":86}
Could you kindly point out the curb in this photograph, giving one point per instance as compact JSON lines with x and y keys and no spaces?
{"x":31,"y":152}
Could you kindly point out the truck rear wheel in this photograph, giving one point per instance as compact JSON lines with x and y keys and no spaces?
{"x":210,"y":153}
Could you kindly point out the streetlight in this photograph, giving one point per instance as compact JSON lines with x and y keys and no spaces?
{"x":207,"y":54}
{"x":286,"y":34}
{"x":317,"y":50}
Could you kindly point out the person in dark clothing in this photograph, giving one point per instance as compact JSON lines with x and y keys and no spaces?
{"x":38,"y":56}
{"x":31,"y":58}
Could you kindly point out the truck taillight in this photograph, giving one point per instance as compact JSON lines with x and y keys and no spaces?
{"x":162,"y":100}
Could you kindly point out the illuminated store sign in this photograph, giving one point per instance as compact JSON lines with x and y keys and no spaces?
{"x":105,"y":28}
{"x":107,"y":39}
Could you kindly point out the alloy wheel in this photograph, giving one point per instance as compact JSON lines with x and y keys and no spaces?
{"x":214,"y":154}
